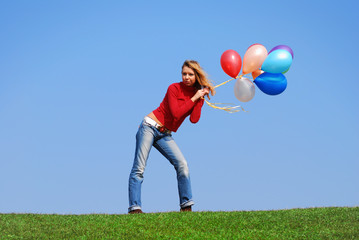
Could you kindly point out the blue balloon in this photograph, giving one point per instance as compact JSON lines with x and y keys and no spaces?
{"x":271,"y":83}
{"x":277,"y":61}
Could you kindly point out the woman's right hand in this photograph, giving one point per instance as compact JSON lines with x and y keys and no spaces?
{"x":200,"y":94}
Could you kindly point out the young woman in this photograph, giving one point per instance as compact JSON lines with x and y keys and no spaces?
{"x":181,"y":100}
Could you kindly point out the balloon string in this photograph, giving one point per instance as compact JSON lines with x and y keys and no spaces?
{"x":228,"y":81}
{"x":224,"y":82}
{"x":226,"y":108}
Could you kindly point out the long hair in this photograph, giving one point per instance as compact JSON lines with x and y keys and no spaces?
{"x":201,"y":76}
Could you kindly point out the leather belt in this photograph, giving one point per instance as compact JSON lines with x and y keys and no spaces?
{"x":153,"y":123}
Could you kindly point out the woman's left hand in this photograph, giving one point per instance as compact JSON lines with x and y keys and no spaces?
{"x":200,"y":94}
{"x":206,"y":91}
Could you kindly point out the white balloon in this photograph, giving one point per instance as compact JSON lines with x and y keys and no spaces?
{"x":244,"y":89}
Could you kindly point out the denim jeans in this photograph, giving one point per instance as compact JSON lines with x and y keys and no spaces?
{"x":146,"y":137}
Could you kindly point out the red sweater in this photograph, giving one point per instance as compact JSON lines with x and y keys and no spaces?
{"x":177,"y":105}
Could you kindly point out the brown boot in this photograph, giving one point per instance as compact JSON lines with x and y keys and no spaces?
{"x":186,"y":209}
{"x":135,"y":211}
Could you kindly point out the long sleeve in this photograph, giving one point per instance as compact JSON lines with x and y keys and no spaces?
{"x":196,"y":113}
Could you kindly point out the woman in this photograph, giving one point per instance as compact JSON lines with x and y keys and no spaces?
{"x":181,"y":100}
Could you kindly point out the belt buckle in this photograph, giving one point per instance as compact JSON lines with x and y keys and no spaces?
{"x":162,"y":129}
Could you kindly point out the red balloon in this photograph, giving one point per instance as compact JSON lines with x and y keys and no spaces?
{"x":231,"y":63}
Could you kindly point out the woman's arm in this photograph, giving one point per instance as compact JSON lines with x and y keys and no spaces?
{"x":178,"y":111}
{"x":196,"y":113}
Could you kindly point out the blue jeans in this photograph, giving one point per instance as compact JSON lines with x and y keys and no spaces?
{"x":146,"y":137}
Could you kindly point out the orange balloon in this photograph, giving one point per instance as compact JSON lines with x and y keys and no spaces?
{"x":256,"y":73}
{"x":254,"y":58}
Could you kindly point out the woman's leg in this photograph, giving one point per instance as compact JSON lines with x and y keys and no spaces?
{"x":144,"y":142}
{"x":168,"y":147}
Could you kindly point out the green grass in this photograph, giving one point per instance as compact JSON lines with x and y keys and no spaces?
{"x":311,"y":223}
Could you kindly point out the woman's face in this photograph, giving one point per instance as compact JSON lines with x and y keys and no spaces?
{"x":188,"y":76}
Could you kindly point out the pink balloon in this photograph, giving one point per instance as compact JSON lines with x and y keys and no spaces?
{"x":254,"y":58}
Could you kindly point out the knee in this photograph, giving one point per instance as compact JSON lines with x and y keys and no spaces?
{"x":182,"y":169}
{"x":137,"y":173}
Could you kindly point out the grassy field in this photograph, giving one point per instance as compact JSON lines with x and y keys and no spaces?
{"x":311,"y":223}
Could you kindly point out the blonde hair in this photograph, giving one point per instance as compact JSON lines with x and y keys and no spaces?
{"x":201,"y":76}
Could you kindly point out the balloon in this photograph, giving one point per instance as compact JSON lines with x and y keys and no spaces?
{"x":277,"y":61}
{"x":254,"y":58}
{"x":244,"y":89}
{"x":231,"y":63}
{"x":284,"y":47}
{"x":271,"y":83}
{"x":256,"y":73}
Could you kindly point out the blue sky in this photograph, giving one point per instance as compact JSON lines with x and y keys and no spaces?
{"x":77,"y":77}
